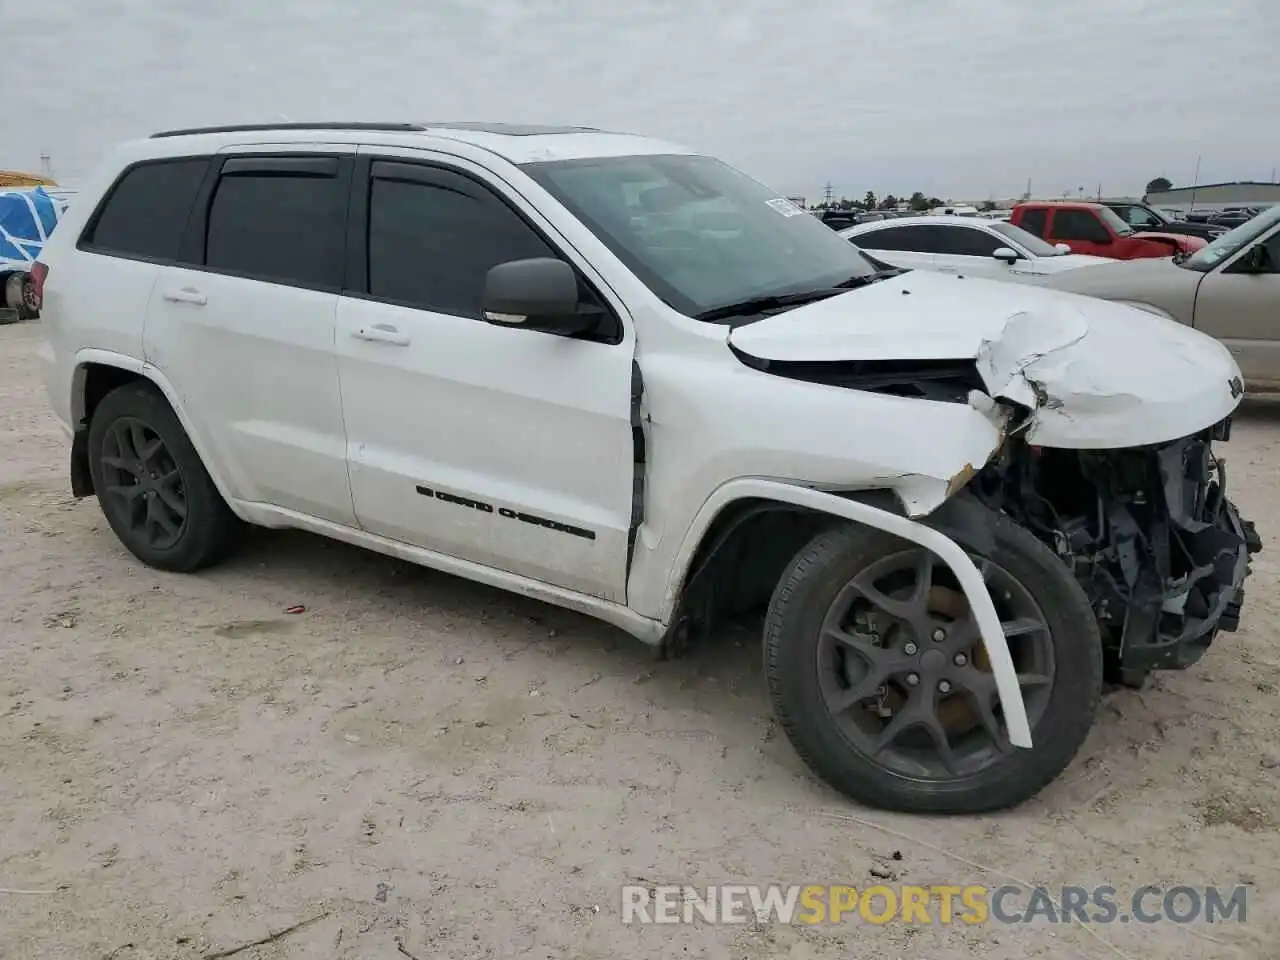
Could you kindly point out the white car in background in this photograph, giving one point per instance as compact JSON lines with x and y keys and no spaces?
{"x":971,"y":246}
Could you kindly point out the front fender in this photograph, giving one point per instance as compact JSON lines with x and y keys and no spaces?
{"x":954,"y":517}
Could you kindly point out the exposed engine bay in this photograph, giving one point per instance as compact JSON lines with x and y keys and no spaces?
{"x":1148,"y":532}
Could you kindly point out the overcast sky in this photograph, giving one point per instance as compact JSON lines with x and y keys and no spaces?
{"x":959,"y":98}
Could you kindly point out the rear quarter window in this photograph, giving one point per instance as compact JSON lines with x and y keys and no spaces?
{"x":145,"y":213}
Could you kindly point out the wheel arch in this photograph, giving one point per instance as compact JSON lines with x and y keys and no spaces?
{"x":97,"y":373}
{"x":954,"y":527}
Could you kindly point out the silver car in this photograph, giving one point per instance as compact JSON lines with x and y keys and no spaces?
{"x":1230,"y":290}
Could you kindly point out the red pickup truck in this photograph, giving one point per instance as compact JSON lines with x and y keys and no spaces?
{"x":1096,"y":229}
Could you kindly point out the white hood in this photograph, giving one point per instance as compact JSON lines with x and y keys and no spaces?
{"x":1098,"y":375}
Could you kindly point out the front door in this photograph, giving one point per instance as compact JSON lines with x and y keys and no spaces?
{"x":1082,"y":231}
{"x":1240,"y":305}
{"x":505,"y":447}
{"x":243,"y":327}
{"x":968,"y":250}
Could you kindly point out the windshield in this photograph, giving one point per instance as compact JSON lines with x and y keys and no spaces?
{"x":1112,"y":219}
{"x":1027,"y":240}
{"x":1139,"y":218}
{"x":699,"y":233}
{"x":1226,"y":245}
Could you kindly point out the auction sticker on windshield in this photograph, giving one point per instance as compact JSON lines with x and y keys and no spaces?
{"x":787,"y":208}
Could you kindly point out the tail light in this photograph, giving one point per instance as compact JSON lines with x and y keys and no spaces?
{"x":39,"y":271}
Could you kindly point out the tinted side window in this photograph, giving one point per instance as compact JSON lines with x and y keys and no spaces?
{"x":893,"y":238}
{"x":1078,"y":225}
{"x":964,"y":241}
{"x":276,"y":227}
{"x":146,"y":212}
{"x":431,"y":247}
{"x":1033,"y":221}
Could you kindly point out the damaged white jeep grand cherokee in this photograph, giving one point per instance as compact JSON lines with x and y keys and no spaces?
{"x":627,"y":379}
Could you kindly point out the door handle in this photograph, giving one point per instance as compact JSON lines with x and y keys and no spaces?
{"x":186,"y":295}
{"x":382,"y":333}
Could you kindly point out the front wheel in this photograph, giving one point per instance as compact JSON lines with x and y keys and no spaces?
{"x":879,"y":677}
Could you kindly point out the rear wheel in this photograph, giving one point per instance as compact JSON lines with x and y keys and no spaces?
{"x":880,"y":679}
{"x":152,"y":487}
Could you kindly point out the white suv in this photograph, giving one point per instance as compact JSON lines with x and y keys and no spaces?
{"x":625,"y":378}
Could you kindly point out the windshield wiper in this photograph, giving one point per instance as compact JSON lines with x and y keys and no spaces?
{"x":784,"y":301}
{"x":745,"y":308}
{"x":862,"y":279}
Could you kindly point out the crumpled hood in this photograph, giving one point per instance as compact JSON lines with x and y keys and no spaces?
{"x":1097,"y":375}
{"x":1182,"y":241}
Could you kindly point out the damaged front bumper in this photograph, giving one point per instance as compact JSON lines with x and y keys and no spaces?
{"x":1178,"y":603}
{"x":1148,"y":532}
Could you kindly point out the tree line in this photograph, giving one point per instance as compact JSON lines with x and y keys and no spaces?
{"x":917,"y":201}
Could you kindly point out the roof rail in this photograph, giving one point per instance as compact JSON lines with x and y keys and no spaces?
{"x":327,"y":125}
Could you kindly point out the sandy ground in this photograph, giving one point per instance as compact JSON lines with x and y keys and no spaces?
{"x":436,"y":769}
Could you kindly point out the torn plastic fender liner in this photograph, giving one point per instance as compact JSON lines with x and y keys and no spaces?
{"x":941,"y":545}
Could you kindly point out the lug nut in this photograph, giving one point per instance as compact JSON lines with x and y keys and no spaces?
{"x":960,"y":660}
{"x":910,"y":648}
{"x":913,"y":679}
{"x":939,"y":635}
{"x":944,"y":686}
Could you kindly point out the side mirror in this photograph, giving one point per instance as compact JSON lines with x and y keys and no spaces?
{"x":1007,"y":254}
{"x":1062,"y":248}
{"x":538,"y":294}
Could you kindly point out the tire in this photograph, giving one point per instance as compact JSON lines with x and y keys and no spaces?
{"x":831,"y":740}
{"x":205,"y":532}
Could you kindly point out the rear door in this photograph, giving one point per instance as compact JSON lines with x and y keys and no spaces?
{"x":1241,"y":307}
{"x":244,"y":326}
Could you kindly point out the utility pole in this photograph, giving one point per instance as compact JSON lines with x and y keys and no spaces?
{"x":828,"y":193}
{"x":1195,"y":182}
{"x":46,"y":165}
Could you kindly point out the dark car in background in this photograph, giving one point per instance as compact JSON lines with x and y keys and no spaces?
{"x":1142,"y":217}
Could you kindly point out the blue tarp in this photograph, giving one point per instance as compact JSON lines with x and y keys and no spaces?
{"x":27,"y":217}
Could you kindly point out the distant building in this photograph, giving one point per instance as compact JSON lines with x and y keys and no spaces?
{"x":1217,"y":196}
{"x":799,"y":202}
